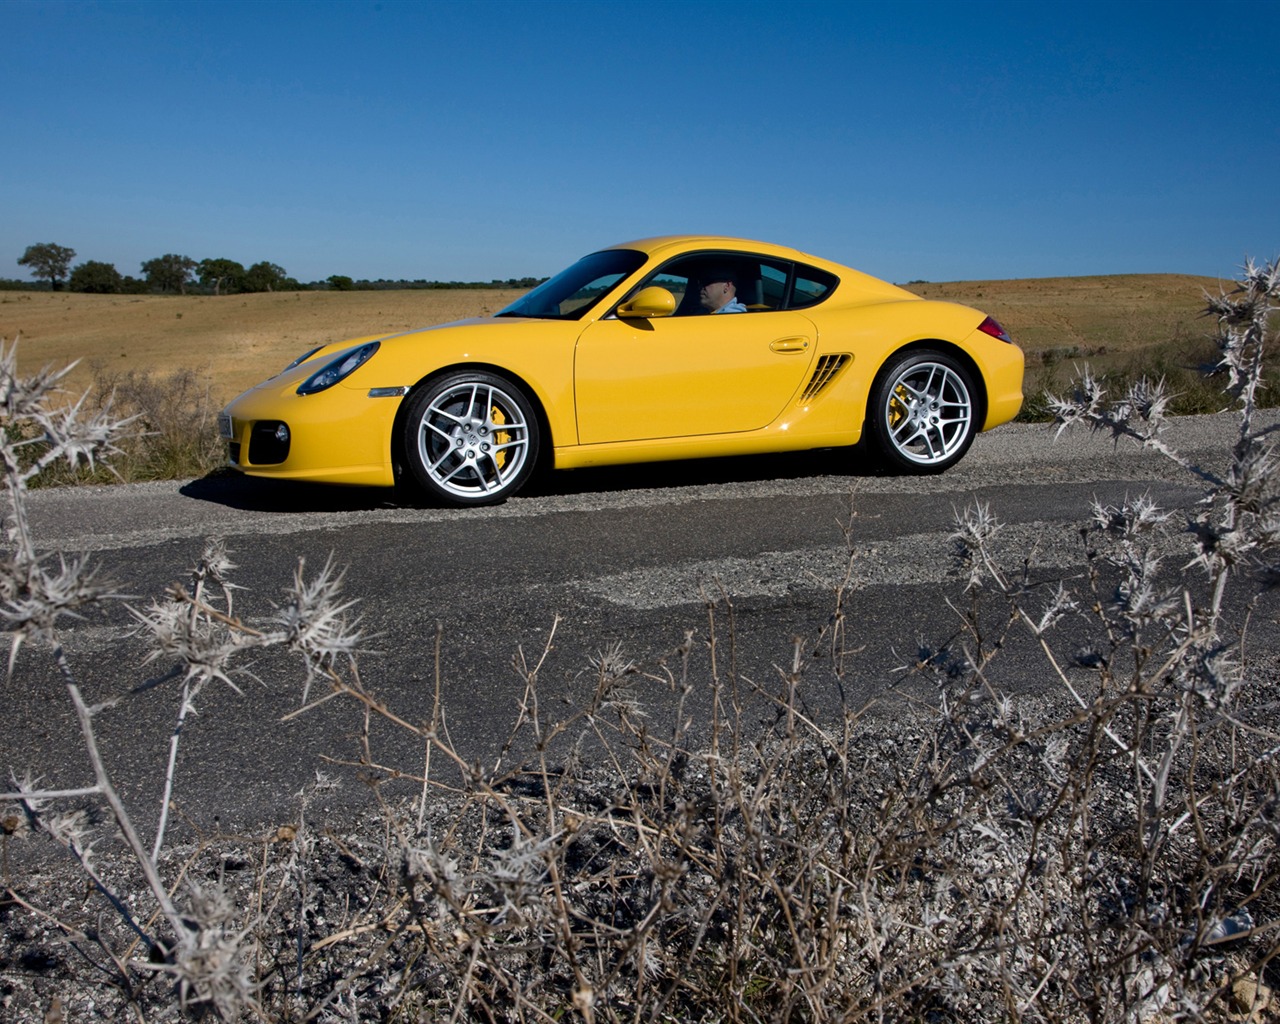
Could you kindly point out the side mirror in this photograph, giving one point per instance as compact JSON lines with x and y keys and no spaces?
{"x":648,"y":303}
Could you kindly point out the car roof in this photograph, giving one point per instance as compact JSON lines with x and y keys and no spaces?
{"x":661,"y":244}
{"x":664,"y":246}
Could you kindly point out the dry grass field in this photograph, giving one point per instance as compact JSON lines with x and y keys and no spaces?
{"x":1124,"y":313}
{"x":232,"y":342}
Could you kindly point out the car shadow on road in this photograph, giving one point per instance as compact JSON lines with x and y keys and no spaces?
{"x":288,"y":496}
{"x":234,"y":490}
{"x":842,"y":462}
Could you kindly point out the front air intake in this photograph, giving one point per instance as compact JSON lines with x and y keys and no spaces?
{"x":268,"y":443}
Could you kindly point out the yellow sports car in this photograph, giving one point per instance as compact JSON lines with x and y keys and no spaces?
{"x":666,"y":348}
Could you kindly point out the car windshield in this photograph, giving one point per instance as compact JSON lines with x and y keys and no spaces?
{"x":573,"y":291}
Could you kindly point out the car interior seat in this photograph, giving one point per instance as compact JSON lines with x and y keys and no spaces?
{"x":751,"y":291}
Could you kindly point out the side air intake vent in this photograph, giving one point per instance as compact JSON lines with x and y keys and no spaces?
{"x":824,"y":373}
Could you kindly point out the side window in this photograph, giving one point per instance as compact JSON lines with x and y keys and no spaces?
{"x":811,"y":286}
{"x":760,"y":284}
{"x":773,"y":286}
{"x":679,"y":277}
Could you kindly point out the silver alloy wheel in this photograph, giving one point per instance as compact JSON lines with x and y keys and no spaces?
{"x":928,"y":415}
{"x":473,"y":440}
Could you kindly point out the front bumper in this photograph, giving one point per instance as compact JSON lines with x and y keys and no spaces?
{"x":340,"y":436}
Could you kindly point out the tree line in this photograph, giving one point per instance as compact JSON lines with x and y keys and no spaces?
{"x":51,"y":263}
{"x":171,"y":272}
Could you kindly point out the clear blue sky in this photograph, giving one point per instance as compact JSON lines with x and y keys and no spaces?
{"x":936,"y":141}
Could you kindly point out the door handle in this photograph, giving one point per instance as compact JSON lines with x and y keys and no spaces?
{"x":789,"y":345}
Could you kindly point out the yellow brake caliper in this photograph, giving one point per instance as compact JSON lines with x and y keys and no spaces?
{"x":897,"y":407}
{"x":500,"y":437}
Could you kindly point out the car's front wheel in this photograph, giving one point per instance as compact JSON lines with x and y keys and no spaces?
{"x":923,"y":411}
{"x":470,"y":438}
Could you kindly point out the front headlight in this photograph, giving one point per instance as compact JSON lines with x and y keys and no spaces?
{"x":342,"y":366}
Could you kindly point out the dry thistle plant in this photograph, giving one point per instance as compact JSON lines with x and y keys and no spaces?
{"x":1106,"y":853}
{"x":172,"y":434}
{"x":195,"y":631}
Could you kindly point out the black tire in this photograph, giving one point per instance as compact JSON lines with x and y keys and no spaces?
{"x":470,"y":438}
{"x":923,"y":412}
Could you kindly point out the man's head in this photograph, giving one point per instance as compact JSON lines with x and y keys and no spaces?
{"x":718,"y":288}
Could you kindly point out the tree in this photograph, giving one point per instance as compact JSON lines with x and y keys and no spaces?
{"x":223,"y":276}
{"x":48,"y":260}
{"x":102,"y":278}
{"x":341,"y":283}
{"x":264,"y":277}
{"x":169,"y":272}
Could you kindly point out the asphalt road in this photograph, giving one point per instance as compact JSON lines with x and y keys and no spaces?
{"x":625,"y":557}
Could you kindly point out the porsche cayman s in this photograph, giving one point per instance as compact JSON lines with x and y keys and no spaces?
{"x":616,"y":360}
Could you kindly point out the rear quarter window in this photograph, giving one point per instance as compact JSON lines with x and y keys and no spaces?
{"x":811,"y":286}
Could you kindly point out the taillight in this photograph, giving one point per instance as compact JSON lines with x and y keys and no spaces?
{"x":992,"y":327}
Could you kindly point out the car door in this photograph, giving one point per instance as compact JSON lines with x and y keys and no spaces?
{"x":642,"y":379}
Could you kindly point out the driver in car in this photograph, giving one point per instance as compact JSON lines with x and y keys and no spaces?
{"x":720,"y":292}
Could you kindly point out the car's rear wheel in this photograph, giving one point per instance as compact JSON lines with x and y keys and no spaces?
{"x":471,"y":438}
{"x":923,"y":412}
